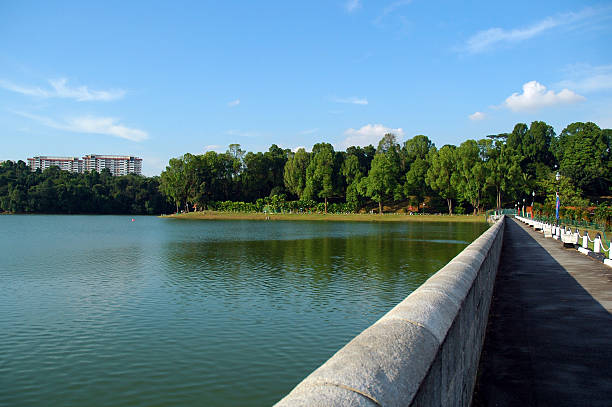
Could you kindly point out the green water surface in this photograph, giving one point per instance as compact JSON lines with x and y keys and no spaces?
{"x":106,"y":311}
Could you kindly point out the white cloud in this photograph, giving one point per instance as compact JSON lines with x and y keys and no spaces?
{"x":535,"y":96}
{"x":368,"y":134}
{"x":352,"y":100}
{"x":30,"y":91}
{"x":587,"y":78}
{"x":390,"y":8}
{"x":352,"y":5}
{"x":60,"y":89}
{"x":309,"y":131}
{"x":485,"y":40}
{"x":213,"y":147}
{"x":82,"y":93}
{"x":234,"y":103}
{"x":91,"y":125}
{"x":477,"y":116}
{"x":295,"y":149}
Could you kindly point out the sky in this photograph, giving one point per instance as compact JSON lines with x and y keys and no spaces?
{"x":160,"y":79}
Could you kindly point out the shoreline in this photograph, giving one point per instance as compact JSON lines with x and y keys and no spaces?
{"x":353,"y":217}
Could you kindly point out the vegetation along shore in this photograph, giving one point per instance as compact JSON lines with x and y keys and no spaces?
{"x":331,"y":217}
{"x":527,"y":165}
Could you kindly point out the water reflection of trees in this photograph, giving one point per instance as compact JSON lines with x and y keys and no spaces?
{"x":368,"y":269}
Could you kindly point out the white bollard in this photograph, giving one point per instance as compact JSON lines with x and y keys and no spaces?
{"x":597,"y":245}
{"x":585,"y":241}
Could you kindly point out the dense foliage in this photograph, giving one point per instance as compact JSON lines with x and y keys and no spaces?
{"x":497,"y":171}
{"x":57,"y":191}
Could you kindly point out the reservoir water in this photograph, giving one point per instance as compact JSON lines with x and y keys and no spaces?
{"x":106,"y":311}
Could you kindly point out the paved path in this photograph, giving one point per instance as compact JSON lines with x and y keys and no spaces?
{"x":549,"y":336}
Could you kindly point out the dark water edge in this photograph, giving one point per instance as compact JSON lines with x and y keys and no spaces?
{"x":103,"y":311}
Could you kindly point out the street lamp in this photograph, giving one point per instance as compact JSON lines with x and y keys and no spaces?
{"x":558,"y":202}
{"x":523,"y":207}
{"x":532,"y":203}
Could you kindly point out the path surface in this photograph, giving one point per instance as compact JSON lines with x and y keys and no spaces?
{"x":549,"y":336}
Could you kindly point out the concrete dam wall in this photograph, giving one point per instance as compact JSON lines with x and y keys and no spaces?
{"x":425,"y":351}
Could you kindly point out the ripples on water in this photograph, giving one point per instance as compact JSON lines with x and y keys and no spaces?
{"x":102,"y":311}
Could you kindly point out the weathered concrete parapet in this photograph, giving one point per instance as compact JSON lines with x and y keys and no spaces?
{"x":424,"y":351}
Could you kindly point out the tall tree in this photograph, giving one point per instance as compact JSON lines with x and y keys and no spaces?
{"x":584,"y":154}
{"x":383,"y":181}
{"x":173,"y":183}
{"x":503,"y":169}
{"x":537,"y":148}
{"x":355,"y":167}
{"x":295,"y":172}
{"x":353,"y":175}
{"x":277,"y":157}
{"x":440,"y":173}
{"x":470,"y":177}
{"x":417,"y":148}
{"x":415,"y":152}
{"x":254,"y":178}
{"x":319,"y":173}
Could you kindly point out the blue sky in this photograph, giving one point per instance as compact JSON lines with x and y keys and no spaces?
{"x":159,"y":79}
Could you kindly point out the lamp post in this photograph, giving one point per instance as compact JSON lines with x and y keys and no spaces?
{"x":558,"y":202}
{"x":532,"y":203}
{"x":523,"y":207}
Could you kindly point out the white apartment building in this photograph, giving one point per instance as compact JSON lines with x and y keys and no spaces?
{"x":72,"y":164}
{"x":117,"y":164}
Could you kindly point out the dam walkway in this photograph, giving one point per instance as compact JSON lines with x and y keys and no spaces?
{"x":549,"y":335}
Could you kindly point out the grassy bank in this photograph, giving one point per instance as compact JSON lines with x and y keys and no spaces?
{"x":352,"y":217}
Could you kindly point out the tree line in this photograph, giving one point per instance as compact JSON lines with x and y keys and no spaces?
{"x":57,"y":191}
{"x":496,"y":171}
{"x":491,"y":172}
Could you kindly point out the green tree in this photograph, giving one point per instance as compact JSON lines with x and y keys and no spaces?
{"x":584,"y":154}
{"x":470,"y":176}
{"x":569,"y":193}
{"x":353,"y":175}
{"x":277,"y":158}
{"x":382,"y":182}
{"x":416,"y":148}
{"x":295,"y":172}
{"x":440,"y":173}
{"x":415,"y":152}
{"x":503,"y":169}
{"x":319,"y":173}
{"x":254,"y":179}
{"x":173,"y":183}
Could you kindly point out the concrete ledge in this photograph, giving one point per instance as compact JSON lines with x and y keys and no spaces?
{"x":608,"y":262}
{"x":423,"y":351}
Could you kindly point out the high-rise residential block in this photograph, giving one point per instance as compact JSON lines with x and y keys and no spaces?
{"x":72,"y":164}
{"x":116,"y":164}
